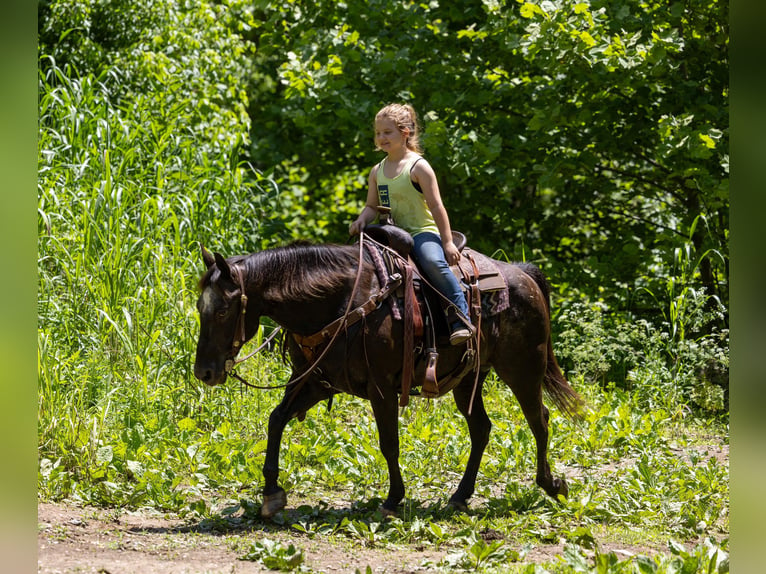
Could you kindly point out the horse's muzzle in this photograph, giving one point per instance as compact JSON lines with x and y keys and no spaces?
{"x":209,"y":374}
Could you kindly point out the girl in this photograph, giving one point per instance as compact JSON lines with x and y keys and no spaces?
{"x":405,"y":182}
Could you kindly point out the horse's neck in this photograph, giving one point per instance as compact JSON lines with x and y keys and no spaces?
{"x":306,"y":317}
{"x":294,"y":309}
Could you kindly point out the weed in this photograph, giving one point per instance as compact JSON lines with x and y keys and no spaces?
{"x":274,"y":555}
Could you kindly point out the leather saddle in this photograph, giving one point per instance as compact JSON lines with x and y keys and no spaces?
{"x":482,"y":272}
{"x":475,"y":273}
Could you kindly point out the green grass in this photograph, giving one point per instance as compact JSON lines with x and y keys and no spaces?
{"x":126,"y":194}
{"x":634,"y":476}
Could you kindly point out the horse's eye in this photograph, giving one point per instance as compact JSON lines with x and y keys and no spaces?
{"x":220,"y":314}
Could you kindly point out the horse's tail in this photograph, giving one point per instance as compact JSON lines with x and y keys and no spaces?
{"x":555,"y":384}
{"x":558,"y":388}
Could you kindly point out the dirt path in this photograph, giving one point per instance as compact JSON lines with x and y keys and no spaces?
{"x":81,"y":540}
{"x":106,"y":541}
{"x":90,"y":540}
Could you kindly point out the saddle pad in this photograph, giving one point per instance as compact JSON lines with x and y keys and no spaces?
{"x":493,"y":302}
{"x":383,"y":272}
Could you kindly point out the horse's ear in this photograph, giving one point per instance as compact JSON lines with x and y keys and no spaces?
{"x":207,"y":257}
{"x":223,"y":267}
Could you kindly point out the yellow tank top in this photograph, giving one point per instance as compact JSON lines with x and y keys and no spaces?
{"x":408,"y":206}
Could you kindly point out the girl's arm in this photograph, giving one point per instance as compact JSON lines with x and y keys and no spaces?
{"x":370,"y":211}
{"x":423,"y":174}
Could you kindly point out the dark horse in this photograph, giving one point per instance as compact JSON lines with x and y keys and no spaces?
{"x":304,"y":288}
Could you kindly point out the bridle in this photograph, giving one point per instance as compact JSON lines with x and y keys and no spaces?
{"x":240,"y":336}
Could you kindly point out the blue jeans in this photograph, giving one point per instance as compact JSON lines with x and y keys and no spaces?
{"x":429,"y":255}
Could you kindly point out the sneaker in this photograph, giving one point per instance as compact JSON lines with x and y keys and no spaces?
{"x":460,"y":335}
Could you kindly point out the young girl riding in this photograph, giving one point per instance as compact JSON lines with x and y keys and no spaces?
{"x":405,"y":182}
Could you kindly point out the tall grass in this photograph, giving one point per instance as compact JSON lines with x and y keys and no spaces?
{"x":126,"y":194}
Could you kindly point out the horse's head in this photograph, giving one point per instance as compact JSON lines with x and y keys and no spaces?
{"x":224,"y":326}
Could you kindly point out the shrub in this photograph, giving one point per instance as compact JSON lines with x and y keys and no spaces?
{"x":604,"y":348}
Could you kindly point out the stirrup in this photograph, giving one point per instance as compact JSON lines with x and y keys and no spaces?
{"x":430,"y":386}
{"x":460,"y":336}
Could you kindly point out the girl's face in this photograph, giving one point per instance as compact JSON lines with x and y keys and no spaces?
{"x":388,"y":137}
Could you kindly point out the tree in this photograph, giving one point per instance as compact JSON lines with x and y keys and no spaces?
{"x":590,"y":137}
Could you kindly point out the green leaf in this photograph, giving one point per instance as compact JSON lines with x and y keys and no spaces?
{"x":187,"y":424}
{"x":104,"y":455}
{"x":707,"y":140}
{"x":528,"y":10}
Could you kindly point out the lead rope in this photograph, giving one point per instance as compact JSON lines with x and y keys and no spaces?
{"x":260,"y":347}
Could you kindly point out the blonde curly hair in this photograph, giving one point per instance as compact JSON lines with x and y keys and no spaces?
{"x":404,"y":116}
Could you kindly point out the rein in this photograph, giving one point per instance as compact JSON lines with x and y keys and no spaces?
{"x":308,"y":343}
{"x":349,"y":317}
{"x":340,"y":324}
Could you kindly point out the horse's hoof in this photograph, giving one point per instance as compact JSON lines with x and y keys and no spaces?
{"x":460,"y":505}
{"x":555,"y":488}
{"x":273,"y":503}
{"x":387,"y":512}
{"x":558,"y":487}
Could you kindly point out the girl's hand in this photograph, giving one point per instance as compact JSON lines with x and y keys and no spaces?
{"x":368,"y":215}
{"x":356,"y":227}
{"x":451,"y":252}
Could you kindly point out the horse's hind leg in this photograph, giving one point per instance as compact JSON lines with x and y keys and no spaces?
{"x":479,"y":427}
{"x":526,"y":384}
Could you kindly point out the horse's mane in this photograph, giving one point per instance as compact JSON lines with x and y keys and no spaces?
{"x":300,"y":270}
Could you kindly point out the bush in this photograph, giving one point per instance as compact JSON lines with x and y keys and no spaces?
{"x":602,"y":348}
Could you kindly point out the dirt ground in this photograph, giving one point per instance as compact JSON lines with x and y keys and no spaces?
{"x":106,"y":541}
{"x":73,"y":539}
{"x":90,"y":540}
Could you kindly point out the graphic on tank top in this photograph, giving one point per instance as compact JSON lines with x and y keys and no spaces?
{"x":383,"y":196}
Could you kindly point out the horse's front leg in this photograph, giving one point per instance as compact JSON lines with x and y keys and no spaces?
{"x":385,"y":409}
{"x":274,"y":496}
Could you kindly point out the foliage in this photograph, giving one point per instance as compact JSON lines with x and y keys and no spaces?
{"x":629,"y":468}
{"x":182,"y":58}
{"x":595,"y":346}
{"x":587,"y":136}
{"x":275,"y":556}
{"x":706,"y":557}
{"x":479,"y":555}
{"x":126,"y":192}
